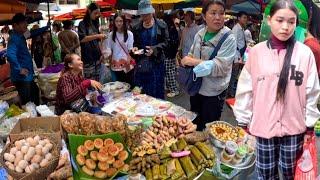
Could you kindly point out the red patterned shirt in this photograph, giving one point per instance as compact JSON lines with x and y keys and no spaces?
{"x":70,"y":88}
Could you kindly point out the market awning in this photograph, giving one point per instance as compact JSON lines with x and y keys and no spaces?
{"x":8,"y":8}
{"x":250,"y":7}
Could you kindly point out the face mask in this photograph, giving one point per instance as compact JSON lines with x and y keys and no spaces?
{"x":203,"y":69}
{"x":27,"y":34}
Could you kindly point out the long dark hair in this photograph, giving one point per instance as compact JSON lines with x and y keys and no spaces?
{"x":114,"y":28}
{"x":314,"y":20}
{"x":284,"y":75}
{"x":87,"y":19}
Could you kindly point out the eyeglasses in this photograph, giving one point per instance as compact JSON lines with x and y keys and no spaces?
{"x":216,"y":14}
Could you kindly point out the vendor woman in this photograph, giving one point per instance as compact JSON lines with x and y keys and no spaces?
{"x":71,"y":85}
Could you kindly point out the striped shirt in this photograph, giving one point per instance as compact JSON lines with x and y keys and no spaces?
{"x":69,"y":89}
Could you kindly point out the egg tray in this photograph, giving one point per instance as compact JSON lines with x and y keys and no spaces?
{"x":41,"y":173}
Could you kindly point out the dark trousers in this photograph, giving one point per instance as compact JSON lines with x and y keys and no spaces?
{"x":208,"y":108}
{"x":125,"y":77}
{"x":236,"y":70}
{"x":28,"y":92}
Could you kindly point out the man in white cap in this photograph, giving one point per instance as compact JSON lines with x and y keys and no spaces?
{"x":150,"y":35}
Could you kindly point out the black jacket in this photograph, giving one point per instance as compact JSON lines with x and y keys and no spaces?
{"x":162,"y":40}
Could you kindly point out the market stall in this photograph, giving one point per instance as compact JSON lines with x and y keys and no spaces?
{"x":134,"y":135}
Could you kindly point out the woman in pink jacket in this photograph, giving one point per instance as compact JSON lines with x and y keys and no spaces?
{"x":277,"y":95}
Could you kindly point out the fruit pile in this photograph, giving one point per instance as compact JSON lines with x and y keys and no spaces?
{"x":29,"y":154}
{"x":102,"y":158}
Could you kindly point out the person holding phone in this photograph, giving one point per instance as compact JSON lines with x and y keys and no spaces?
{"x":150,"y":40}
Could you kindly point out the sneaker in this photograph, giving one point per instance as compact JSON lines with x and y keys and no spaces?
{"x":173,"y":94}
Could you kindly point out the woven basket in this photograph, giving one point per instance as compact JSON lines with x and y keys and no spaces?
{"x":41,"y":173}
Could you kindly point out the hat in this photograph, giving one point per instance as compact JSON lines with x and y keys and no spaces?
{"x":145,"y":7}
{"x":18,"y":18}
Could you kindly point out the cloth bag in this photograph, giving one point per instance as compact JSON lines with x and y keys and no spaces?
{"x":187,"y":78}
{"x":306,"y":168}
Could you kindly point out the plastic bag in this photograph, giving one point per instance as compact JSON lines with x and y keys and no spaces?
{"x":307,"y":164}
{"x":31,"y":108}
{"x":105,"y":74}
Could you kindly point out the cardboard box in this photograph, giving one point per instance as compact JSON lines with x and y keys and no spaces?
{"x":49,"y":125}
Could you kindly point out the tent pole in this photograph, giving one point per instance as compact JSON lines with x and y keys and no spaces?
{"x":51,"y":40}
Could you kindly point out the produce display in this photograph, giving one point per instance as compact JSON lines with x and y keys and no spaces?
{"x":87,"y":124}
{"x":162,"y":132}
{"x":63,"y":170}
{"x":102,"y":158}
{"x":178,"y":161}
{"x":223,"y":132}
{"x":29,"y":154}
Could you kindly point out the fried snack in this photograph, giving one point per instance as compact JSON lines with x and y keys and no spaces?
{"x":111,"y":171}
{"x":70,"y":122}
{"x":93,"y":155}
{"x":88,"y":171}
{"x":104,"y":124}
{"x":103,"y":166}
{"x":87,"y":123}
{"x":90,"y":164}
{"x":89,"y":145}
{"x":103,"y":157}
{"x":82,"y":150}
{"x":81,"y":160}
{"x":223,"y":132}
{"x":100,"y":174}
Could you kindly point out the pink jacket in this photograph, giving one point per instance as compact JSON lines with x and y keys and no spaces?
{"x":256,"y":104}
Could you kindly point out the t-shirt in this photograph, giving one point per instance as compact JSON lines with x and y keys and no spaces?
{"x":117,"y":52}
{"x":90,"y":51}
{"x":209,"y":35}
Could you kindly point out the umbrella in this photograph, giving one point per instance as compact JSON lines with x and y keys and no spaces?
{"x":249,"y":6}
{"x":10,"y":7}
{"x":52,"y":7}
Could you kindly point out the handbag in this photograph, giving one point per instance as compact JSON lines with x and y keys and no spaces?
{"x":187,"y":78}
{"x":80,"y":105}
{"x":130,"y":61}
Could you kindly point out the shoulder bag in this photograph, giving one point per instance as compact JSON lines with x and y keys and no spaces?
{"x":187,"y":78}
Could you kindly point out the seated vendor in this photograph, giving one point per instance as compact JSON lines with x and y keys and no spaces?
{"x":71,"y":85}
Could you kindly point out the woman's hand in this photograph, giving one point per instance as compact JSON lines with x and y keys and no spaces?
{"x":149,"y":51}
{"x":134,"y":49}
{"x":96,"y":85}
{"x":189,"y":61}
{"x":101,"y":36}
